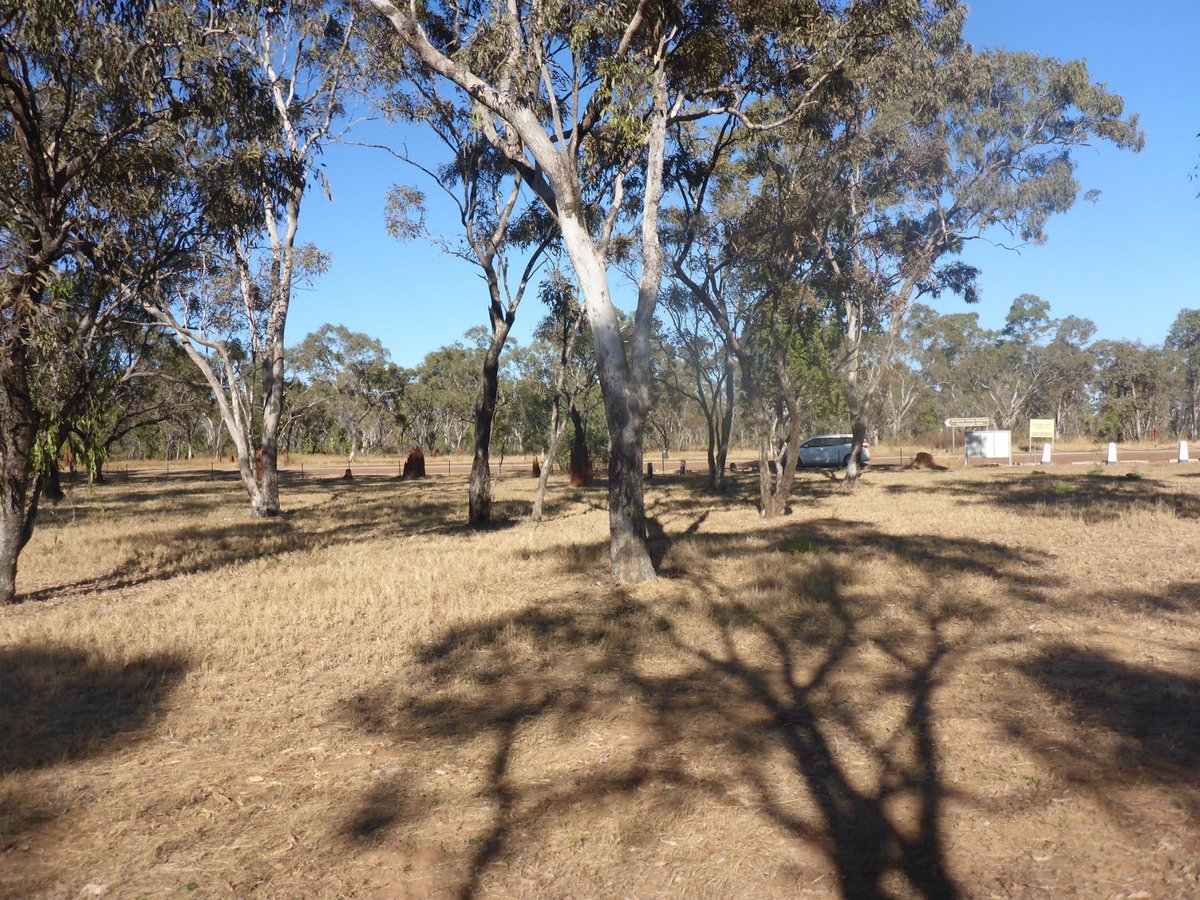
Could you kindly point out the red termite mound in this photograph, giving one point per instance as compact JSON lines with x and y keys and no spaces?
{"x":414,"y":466}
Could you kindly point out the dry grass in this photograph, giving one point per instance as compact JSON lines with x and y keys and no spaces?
{"x":980,"y":683}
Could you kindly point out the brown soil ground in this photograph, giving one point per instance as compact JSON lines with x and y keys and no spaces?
{"x":980,"y":683}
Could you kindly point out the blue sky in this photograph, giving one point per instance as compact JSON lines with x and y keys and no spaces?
{"x":1129,"y":262}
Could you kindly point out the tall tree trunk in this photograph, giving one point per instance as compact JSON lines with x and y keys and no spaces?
{"x":711,"y":450}
{"x":718,"y":481}
{"x":556,"y":433}
{"x":581,"y":458}
{"x":18,"y":502}
{"x":272,"y":412}
{"x":480,"y":492}
{"x":556,"y":423}
{"x":859,"y":435}
{"x":626,"y":511}
{"x":624,"y":415}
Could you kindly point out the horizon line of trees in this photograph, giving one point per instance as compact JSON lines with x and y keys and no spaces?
{"x":346,"y":397}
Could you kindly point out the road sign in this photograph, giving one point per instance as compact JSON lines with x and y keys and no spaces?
{"x":1041,"y":429}
{"x":967,"y":422}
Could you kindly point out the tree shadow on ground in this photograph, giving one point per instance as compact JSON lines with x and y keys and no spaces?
{"x":190,"y":494}
{"x":363,"y":509}
{"x":1091,"y":498}
{"x":735,"y":690}
{"x":1131,"y":724}
{"x":675,"y":493}
{"x":59,"y":704}
{"x":1178,"y":597}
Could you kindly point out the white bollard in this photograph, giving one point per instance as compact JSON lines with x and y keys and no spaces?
{"x":1183,"y":453}
{"x":1045,"y":454}
{"x":1112,"y":453}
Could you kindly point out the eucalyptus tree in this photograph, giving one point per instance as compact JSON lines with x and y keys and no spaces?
{"x":231,"y":316}
{"x":498,"y":225}
{"x":563,"y":366}
{"x":352,"y":375}
{"x":940,"y":145}
{"x":578,"y":96}
{"x":91,"y":96}
{"x":697,"y":370}
{"x":99,"y":380}
{"x":1063,"y":391}
{"x":1183,"y":341}
{"x":1131,"y":389}
{"x":704,"y":376}
{"x":1009,"y":369}
{"x":441,"y":399}
{"x":740,"y":245}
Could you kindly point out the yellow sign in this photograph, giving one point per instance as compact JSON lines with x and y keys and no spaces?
{"x":1041,"y":429}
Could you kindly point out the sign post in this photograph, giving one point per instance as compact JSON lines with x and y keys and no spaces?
{"x":1040,"y":429}
{"x":965,"y":422}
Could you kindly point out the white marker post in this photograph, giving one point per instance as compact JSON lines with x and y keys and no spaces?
{"x":1045,"y":454}
{"x":1183,"y":452}
{"x":1112,"y":454}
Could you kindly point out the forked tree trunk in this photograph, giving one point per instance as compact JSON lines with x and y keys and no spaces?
{"x":624,"y":381}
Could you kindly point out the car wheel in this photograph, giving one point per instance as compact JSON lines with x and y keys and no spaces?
{"x":846,"y":461}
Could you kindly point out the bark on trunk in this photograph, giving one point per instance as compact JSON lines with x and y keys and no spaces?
{"x":762,"y":428}
{"x":713,"y":467}
{"x":718,"y":481}
{"x":18,"y":512}
{"x":556,"y":424}
{"x":18,"y":503}
{"x":480,"y":492}
{"x":539,"y":494}
{"x":626,"y":515}
{"x":628,"y":552}
{"x":854,"y":465}
{"x":581,"y":459}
